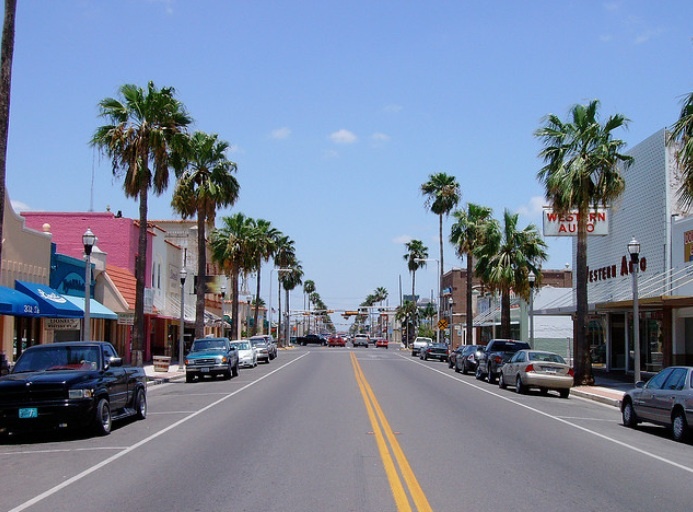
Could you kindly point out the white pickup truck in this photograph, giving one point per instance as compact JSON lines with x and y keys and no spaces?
{"x":419,"y":343}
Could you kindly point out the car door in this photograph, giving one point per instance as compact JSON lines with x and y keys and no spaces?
{"x":663,"y":400}
{"x":116,"y":381}
{"x":645,"y":404}
{"x":514,"y":366}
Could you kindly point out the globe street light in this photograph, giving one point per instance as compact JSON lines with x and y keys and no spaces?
{"x":181,"y":342}
{"x":634,"y":251}
{"x":223,"y":295}
{"x":532,"y":279}
{"x":88,"y":240}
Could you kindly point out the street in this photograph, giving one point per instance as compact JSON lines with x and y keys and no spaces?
{"x":335,"y":429}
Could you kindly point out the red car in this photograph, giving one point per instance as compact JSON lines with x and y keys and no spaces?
{"x":336,"y":341}
{"x":381,"y":342}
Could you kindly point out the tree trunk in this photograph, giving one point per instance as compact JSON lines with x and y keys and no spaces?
{"x":279,"y":315}
{"x":235,"y":321}
{"x":440,"y":238}
{"x":201,"y":276}
{"x":256,"y":313}
{"x":5,"y":88}
{"x":582,"y":362}
{"x":505,"y":314}
{"x":469,"y":328}
{"x":138,"y":335}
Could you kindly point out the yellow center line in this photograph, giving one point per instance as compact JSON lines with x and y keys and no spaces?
{"x":377,"y":418}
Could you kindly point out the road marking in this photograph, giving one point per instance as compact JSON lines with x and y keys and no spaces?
{"x":558,"y":418}
{"x":381,"y":425}
{"x":144,"y":441}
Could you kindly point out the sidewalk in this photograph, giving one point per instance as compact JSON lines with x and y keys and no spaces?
{"x":155,"y":377}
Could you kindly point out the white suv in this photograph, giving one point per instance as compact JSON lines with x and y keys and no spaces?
{"x":419,"y":343}
{"x":361,"y":340}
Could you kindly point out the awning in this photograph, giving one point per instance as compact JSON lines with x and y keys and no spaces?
{"x":17,"y":303}
{"x":96,"y":309}
{"x":50,"y":302}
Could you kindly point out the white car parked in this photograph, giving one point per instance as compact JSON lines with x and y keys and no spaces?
{"x":247,"y":354}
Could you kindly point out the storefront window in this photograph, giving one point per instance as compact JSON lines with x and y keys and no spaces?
{"x":651,"y":355}
{"x":597,"y":340}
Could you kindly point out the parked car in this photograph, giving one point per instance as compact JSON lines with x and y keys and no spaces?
{"x":261,"y":349}
{"x":271,"y":345}
{"x":336,"y":340}
{"x":434,"y":351}
{"x":247,"y":355}
{"x":211,"y":357}
{"x":382,"y":343}
{"x":314,"y":339}
{"x":496,"y":353}
{"x":361,"y":340}
{"x":666,"y":399}
{"x":419,"y":343}
{"x":467,"y":359}
{"x":71,"y":385}
{"x":537,"y":369}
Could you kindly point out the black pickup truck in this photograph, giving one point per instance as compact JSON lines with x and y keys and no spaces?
{"x":311,"y":338}
{"x":80,"y":384}
{"x":496,"y":353}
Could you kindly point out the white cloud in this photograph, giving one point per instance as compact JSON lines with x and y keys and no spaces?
{"x":343,"y":137}
{"x":534,"y":208}
{"x":281,"y":133}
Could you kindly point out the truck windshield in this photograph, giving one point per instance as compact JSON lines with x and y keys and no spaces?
{"x":53,"y":358}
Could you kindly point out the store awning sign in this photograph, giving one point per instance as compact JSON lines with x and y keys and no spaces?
{"x":567,"y":224}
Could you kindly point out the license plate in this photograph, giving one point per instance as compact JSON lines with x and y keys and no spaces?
{"x":31,"y":412}
{"x":204,"y":370}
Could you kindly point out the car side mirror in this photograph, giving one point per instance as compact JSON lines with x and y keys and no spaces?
{"x":113,"y":361}
{"x":640,"y":384}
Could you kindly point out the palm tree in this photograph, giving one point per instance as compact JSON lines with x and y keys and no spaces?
{"x":5,"y":88}
{"x":308,"y":289}
{"x":284,"y":257}
{"x":289,"y":281}
{"x":442,"y":195}
{"x":416,"y":251}
{"x":403,"y":314}
{"x":263,"y":246}
{"x":230,"y":248}
{"x":582,"y":170}
{"x":380,"y":295}
{"x":466,"y":235}
{"x":505,"y":259}
{"x":205,"y":184}
{"x":682,"y":131}
{"x":145,"y":128}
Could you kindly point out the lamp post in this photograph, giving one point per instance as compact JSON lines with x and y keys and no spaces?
{"x":223,"y":295}
{"x":88,"y":240}
{"x":532,"y":279}
{"x":269,"y":309}
{"x":181,"y":338}
{"x":634,"y":251}
{"x":421,"y":260}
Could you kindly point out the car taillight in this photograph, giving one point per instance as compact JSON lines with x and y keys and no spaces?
{"x":529,"y":368}
{"x":571,"y":372}
{"x":498,"y":359}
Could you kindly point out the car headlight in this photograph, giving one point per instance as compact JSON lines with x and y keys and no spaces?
{"x":224,"y":360}
{"x":80,"y":393}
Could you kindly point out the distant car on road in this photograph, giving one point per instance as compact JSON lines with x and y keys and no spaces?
{"x":361,"y":340}
{"x":419,"y":343}
{"x":336,"y":340}
{"x":537,"y":369}
{"x":434,"y":351}
{"x":311,"y":339}
{"x":382,"y":343}
{"x":247,"y":355}
{"x":666,"y":399}
{"x":261,"y":348}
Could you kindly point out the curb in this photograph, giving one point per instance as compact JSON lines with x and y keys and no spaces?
{"x":607,"y":400}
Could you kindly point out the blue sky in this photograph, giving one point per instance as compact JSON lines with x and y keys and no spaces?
{"x":337,"y":112}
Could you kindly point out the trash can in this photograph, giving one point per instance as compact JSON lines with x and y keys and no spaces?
{"x":161,"y":363}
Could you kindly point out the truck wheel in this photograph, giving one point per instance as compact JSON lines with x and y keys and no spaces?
{"x":102,"y":418}
{"x":189,"y":377}
{"x":141,"y":404}
{"x":234,"y":370}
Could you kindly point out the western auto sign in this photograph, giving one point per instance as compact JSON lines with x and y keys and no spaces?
{"x":567,"y":225}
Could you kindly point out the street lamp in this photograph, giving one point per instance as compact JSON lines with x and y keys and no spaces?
{"x":269,"y":310}
{"x":223,"y":295}
{"x":634,"y":251}
{"x":532,"y":279}
{"x":181,"y":342}
{"x":88,"y":240}
{"x":422,"y":260}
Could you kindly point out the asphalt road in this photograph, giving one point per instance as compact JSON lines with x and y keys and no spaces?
{"x":332,"y":429}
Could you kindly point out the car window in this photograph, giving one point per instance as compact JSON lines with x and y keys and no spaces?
{"x":658,"y":380}
{"x":676,"y":380}
{"x":242,"y":345}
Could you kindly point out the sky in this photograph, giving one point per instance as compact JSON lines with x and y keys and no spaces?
{"x":338,"y":111}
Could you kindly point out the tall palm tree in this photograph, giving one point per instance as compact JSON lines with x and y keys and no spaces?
{"x":403,"y":314}
{"x":145,"y":127}
{"x":380,"y":295}
{"x":205,"y":184}
{"x":6,"y":56}
{"x":308,"y":289}
{"x":466,"y":235}
{"x":505,"y":259}
{"x":264,"y":244}
{"x":284,"y":257}
{"x":582,"y":170}
{"x":682,"y":131}
{"x":230,"y":248}
{"x":289,"y":281}
{"x":442,"y":193}
{"x":416,"y":251}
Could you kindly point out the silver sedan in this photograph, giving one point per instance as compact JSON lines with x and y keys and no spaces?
{"x":537,"y":369}
{"x":666,"y":399}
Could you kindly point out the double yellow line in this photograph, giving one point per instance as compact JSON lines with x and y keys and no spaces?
{"x":386,"y":441}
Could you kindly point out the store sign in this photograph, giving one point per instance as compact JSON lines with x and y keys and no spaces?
{"x":688,"y":246}
{"x":126,"y":318}
{"x":567,"y":225}
{"x":62,"y":324}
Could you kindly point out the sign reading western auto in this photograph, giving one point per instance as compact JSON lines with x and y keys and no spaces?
{"x":566,"y":225}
